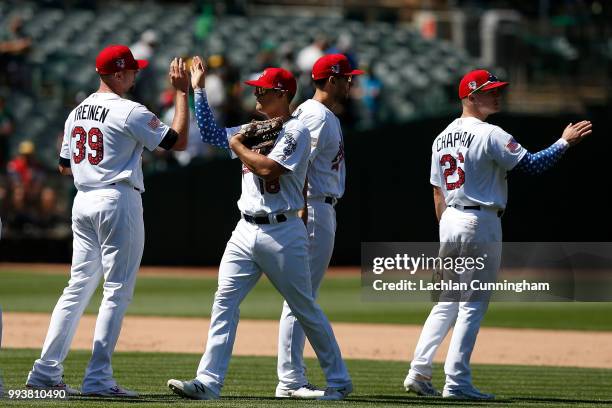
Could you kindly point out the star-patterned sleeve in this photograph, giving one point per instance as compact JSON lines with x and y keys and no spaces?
{"x":210,"y":132}
{"x":537,"y":163}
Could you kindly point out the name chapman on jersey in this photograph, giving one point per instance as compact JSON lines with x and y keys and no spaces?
{"x":448,"y":285}
{"x":454,"y":139}
{"x":91,"y":112}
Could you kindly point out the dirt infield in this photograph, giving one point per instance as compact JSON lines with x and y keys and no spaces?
{"x":358,"y":341}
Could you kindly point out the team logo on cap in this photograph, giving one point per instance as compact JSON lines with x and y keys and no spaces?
{"x":263,"y":74}
{"x":279,"y":85}
{"x":120,"y":62}
{"x":335,"y":68}
{"x":472,"y":85}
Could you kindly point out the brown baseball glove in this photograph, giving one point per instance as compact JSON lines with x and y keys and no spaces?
{"x":261,"y":134}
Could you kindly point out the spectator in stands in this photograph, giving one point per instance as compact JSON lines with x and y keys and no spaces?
{"x":310,"y":54}
{"x":233,"y":109}
{"x":49,"y":220}
{"x":18,"y":220}
{"x":216,"y":93}
{"x":368,"y":90}
{"x":195,"y":148}
{"x":305,"y":60}
{"x":286,"y":55}
{"x":4,"y":197}
{"x":266,"y":57}
{"x":14,"y":46}
{"x":144,"y":48}
{"x":344,"y":45}
{"x":7,"y":126}
{"x":27,"y":172}
{"x":144,"y":90}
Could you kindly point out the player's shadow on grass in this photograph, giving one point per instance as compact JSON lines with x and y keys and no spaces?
{"x":368,"y":399}
{"x":420,"y":401}
{"x":172,"y":399}
{"x":437,"y":401}
{"x":563,"y":400}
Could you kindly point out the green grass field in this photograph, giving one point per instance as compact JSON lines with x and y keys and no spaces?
{"x":27,"y":291}
{"x":251,"y":382}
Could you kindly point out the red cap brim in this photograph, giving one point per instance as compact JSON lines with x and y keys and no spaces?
{"x":142,"y":64}
{"x":258,"y":82}
{"x":356,"y":72}
{"x":495,"y":85}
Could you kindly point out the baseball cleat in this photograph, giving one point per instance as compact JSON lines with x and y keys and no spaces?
{"x":467,"y":394}
{"x":114,"y":391}
{"x":70,"y":392}
{"x":336,"y":393}
{"x":307,"y":391}
{"x":192,"y":389}
{"x":421,"y":386}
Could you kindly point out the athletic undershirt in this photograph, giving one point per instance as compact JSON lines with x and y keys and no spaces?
{"x":538,"y":163}
{"x":210,"y":132}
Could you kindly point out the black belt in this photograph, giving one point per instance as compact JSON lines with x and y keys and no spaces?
{"x":135,"y":188}
{"x":264,"y":220}
{"x":474,"y":207}
{"x":329,"y":200}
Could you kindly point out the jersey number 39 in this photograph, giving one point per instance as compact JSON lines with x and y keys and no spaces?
{"x":452,"y":169}
{"x":94,"y":139}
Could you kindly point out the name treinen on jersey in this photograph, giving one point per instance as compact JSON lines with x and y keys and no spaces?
{"x":91,"y":112}
{"x":452,"y":139}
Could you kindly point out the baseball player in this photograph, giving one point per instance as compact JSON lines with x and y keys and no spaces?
{"x":469,"y":163}
{"x":104,"y":138}
{"x":332,"y":75}
{"x":270,"y":238}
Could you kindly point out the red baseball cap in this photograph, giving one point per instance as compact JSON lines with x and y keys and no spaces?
{"x":331,"y":65}
{"x":115,"y":58}
{"x":275,"y":78}
{"x":478,"y":80}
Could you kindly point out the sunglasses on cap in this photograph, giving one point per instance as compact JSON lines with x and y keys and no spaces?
{"x":259,"y":91}
{"x":492,"y":78}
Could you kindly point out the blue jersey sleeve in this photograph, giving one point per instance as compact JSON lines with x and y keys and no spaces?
{"x":210,"y":132}
{"x":537,"y":163}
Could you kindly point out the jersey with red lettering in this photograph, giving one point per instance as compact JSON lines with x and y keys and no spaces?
{"x":284,"y":194}
{"x":327,"y":172}
{"x":469,"y":162}
{"x":104,"y":138}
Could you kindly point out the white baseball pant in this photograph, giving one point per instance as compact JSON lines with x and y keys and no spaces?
{"x":108,"y":229}
{"x":280,"y":251}
{"x":291,"y":338}
{"x":460,"y":227}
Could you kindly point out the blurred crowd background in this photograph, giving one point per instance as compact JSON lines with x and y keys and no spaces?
{"x":556,"y":54}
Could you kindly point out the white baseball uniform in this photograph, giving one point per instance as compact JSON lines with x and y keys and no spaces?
{"x":469,"y":162}
{"x":326,"y":175}
{"x":280,"y":250}
{"x":104,"y":138}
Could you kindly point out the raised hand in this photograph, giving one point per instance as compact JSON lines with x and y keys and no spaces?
{"x":198,"y":73}
{"x":574,"y":133}
{"x":179,"y":78}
